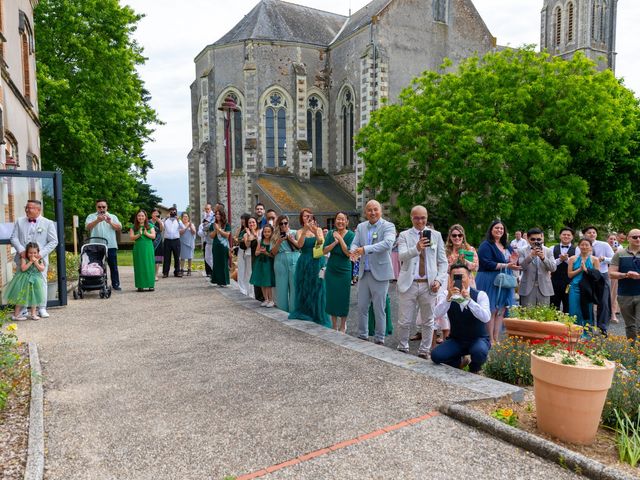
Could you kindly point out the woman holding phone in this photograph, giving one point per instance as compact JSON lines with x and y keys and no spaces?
{"x":495,"y":256}
{"x":310,"y":294}
{"x":285,"y":251}
{"x":458,"y":251}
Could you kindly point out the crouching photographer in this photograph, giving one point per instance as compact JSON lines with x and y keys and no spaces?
{"x":468,"y":312}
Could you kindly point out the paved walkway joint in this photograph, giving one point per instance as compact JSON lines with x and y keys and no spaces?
{"x":338,"y":446}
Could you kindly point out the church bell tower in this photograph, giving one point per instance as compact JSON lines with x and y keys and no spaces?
{"x":589,"y":26}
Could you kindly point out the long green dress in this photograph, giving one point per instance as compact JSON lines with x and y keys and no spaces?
{"x":337,"y":277}
{"x":144,"y":265}
{"x":262,"y":273}
{"x":310,"y":296}
{"x":220,"y":254}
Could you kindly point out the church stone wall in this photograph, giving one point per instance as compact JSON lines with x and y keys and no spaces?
{"x":414,"y":42}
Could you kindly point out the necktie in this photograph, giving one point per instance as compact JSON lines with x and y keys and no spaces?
{"x":422,"y":266}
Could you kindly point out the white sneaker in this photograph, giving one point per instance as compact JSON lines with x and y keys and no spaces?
{"x":264,"y":304}
{"x":270,"y":305}
{"x":18,"y":318}
{"x":43,"y":313}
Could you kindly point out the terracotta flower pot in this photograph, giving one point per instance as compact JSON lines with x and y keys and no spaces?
{"x":569,"y":398}
{"x":534,"y":330}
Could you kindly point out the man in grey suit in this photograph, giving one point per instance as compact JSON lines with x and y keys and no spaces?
{"x":372,"y":245}
{"x":423,"y":270}
{"x":537,"y":264}
{"x":35,"y":228}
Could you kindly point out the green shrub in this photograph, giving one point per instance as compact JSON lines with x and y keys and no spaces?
{"x":73,"y":266}
{"x":9,"y":357}
{"x":510,"y":361}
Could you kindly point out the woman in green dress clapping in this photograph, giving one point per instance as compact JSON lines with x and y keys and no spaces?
{"x":142,"y":234}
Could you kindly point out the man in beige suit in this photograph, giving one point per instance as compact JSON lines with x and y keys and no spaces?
{"x":537,"y":264}
{"x":423,"y":270}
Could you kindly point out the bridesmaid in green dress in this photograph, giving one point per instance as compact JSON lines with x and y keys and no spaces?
{"x":337,"y":276}
{"x":142,"y":234}
{"x":310,"y":301}
{"x":220,"y":231}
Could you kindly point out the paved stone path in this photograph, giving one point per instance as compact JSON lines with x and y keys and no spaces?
{"x":188,"y":383}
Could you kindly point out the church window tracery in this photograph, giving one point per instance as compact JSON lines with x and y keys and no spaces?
{"x":315,"y":114}
{"x":347,"y":116}
{"x":276,"y":130}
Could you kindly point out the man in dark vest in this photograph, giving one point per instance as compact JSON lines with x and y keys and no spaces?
{"x":560,"y":278}
{"x":468,"y":311}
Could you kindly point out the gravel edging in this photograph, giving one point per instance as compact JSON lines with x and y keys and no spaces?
{"x":35,"y":453}
{"x":543,"y":448}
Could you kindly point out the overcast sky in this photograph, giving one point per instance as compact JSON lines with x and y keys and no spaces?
{"x":173,"y":35}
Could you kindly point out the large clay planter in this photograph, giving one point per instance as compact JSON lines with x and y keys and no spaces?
{"x":569,"y":398}
{"x":534,"y":330}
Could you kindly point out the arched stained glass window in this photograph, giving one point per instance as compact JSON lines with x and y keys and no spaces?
{"x":276,"y":130}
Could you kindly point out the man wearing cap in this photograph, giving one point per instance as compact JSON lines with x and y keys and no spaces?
{"x":103,"y":224}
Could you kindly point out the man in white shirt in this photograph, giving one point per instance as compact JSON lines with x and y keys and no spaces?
{"x":105,"y":225}
{"x":171,"y":240}
{"x":605,"y":253}
{"x":468,"y":311}
{"x":519,"y":241}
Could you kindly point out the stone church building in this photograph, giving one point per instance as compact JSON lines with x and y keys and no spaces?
{"x":305,"y":81}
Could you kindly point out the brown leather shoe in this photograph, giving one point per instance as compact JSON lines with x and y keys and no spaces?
{"x":416,"y":337}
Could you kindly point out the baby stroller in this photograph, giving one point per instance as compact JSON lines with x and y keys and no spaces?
{"x":93,"y":271}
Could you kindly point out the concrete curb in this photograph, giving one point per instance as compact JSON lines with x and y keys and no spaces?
{"x":543,"y":448}
{"x":489,"y":388}
{"x":35,"y":451}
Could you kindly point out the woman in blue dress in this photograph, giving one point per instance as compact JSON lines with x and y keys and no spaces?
{"x":578,"y":264}
{"x":495,"y":256}
{"x":310,"y":293}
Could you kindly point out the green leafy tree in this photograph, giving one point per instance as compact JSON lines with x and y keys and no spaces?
{"x":94,"y":109}
{"x":519,"y":135}
{"x":146,"y":198}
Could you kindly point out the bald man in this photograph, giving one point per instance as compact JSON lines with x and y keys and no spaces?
{"x":423,"y":270}
{"x":372,"y":245}
{"x":625,"y":267}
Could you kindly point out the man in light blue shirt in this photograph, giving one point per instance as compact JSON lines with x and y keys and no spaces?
{"x":105,"y":225}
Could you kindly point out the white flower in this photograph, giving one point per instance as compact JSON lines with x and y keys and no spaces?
{"x":39,"y":230}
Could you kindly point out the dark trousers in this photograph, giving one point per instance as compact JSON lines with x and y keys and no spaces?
{"x":451,"y":351}
{"x":112,"y":258}
{"x":207,"y":268}
{"x":604,"y":309}
{"x":560,"y":298}
{"x":171,"y":247}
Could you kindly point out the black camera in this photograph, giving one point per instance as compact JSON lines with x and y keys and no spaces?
{"x":537,"y":245}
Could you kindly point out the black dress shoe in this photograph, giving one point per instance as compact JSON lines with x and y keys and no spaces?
{"x":165,"y":276}
{"x":417,"y":336}
{"x":117,"y":287}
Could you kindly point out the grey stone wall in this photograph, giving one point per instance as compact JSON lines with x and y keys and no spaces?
{"x":238,"y":195}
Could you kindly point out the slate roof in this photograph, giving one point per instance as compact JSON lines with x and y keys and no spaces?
{"x":278,"y":20}
{"x":361,"y":18}
{"x":322,"y":194}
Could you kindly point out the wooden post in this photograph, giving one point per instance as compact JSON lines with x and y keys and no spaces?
{"x":75,"y":234}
